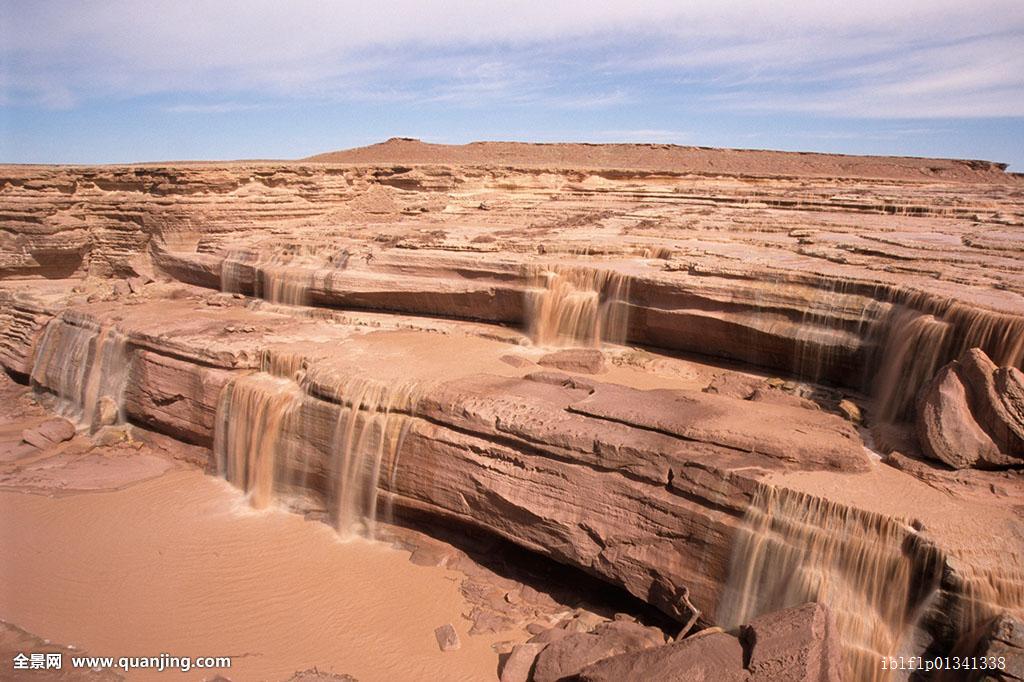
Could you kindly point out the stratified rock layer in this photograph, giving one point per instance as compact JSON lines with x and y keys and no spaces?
{"x":612,"y":356}
{"x":969,"y":415}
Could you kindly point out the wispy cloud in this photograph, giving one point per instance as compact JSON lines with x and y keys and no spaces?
{"x":642,"y":135}
{"x":215,"y":108}
{"x":874,"y":58}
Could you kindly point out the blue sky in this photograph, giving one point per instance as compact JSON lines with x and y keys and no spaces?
{"x":128,"y":81}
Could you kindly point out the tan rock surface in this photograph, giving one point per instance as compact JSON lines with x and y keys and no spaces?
{"x":794,"y":645}
{"x":740,"y":303}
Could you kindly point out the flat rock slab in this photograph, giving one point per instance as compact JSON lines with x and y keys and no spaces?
{"x":795,"y":436}
{"x":569,"y":655}
{"x":447,"y":638}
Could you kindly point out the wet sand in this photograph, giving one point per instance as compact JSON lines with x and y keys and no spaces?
{"x":181,"y":564}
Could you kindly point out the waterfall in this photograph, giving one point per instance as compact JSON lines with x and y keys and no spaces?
{"x":85,"y":365}
{"x":282,"y":273}
{"x":570,"y":305}
{"x":911,"y":336}
{"x":872,"y":571}
{"x":922,"y":333}
{"x":254,"y":413}
{"x":368,"y":435}
{"x":271,"y":435}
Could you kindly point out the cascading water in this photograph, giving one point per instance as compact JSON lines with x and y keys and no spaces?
{"x":283,"y":364}
{"x":977,"y":590}
{"x":911,"y":335}
{"x":283,"y":274}
{"x":272,"y":436}
{"x":368,"y":435}
{"x":922,"y":333}
{"x":84,"y":365}
{"x":912,"y":352}
{"x":577,"y":306}
{"x":872,"y":571}
{"x":254,"y":414}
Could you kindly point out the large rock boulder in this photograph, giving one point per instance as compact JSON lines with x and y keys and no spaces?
{"x":50,"y":432}
{"x":717,"y":657}
{"x":972,"y":414}
{"x":569,"y":655}
{"x":518,"y":667}
{"x":794,"y":644}
{"x":798,"y":644}
{"x":1004,"y":640}
{"x":995,"y":400}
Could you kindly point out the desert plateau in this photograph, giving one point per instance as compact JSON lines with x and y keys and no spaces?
{"x":515,"y":411}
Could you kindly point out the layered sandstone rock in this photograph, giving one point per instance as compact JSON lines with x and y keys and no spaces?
{"x":970,"y":416}
{"x":626,"y":359}
{"x":794,"y":645}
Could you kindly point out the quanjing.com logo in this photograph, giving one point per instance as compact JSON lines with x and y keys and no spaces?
{"x":44,"y":661}
{"x":54,"y":661}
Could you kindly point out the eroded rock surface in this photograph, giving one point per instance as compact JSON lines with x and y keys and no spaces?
{"x":969,"y":415}
{"x":794,"y":645}
{"x":604,"y":354}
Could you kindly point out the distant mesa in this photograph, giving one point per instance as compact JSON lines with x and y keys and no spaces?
{"x":668,"y":158}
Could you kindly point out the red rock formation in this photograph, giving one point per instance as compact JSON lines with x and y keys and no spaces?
{"x":402,"y":303}
{"x":968,"y":416}
{"x":794,"y":645}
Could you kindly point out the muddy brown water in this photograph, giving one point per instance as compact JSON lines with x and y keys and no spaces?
{"x":182,"y":564}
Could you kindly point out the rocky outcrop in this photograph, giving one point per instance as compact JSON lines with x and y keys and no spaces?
{"x":794,"y":645}
{"x":473,"y":320}
{"x":1002,"y":644}
{"x":970,"y":416}
{"x":48,"y":433}
{"x":572,"y":653}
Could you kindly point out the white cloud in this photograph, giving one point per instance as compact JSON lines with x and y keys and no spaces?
{"x":642,"y":135}
{"x":213,"y":108}
{"x":917,"y":58}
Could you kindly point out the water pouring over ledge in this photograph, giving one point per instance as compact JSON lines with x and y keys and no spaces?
{"x":268,"y":431}
{"x":885,"y":582}
{"x":574,"y":305}
{"x":86,"y":366}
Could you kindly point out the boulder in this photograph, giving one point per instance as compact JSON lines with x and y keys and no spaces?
{"x":572,"y":653}
{"x":1010,"y":385}
{"x":447,"y":638}
{"x":35,"y":439}
{"x":519,"y":665}
{"x":850,"y":411}
{"x":962,"y":418}
{"x":50,"y":432}
{"x":583,"y":360}
{"x":717,"y":657}
{"x":945,"y":426}
{"x":794,"y":644}
{"x":57,"y":429}
{"x":107,"y":412}
{"x":798,"y":644}
{"x":996,"y":414}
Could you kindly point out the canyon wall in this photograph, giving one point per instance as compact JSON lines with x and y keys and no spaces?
{"x":678,"y":380}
